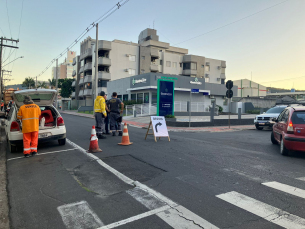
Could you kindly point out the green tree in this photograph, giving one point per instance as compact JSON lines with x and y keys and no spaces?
{"x":42,"y":85}
{"x":29,"y":82}
{"x":52,"y":83}
{"x":66,"y":87}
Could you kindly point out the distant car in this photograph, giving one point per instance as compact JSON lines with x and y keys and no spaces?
{"x":265,"y":119}
{"x":54,"y":128}
{"x":289,"y":130}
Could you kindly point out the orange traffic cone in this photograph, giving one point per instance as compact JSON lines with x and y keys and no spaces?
{"x":93,"y":147}
{"x":125,"y":137}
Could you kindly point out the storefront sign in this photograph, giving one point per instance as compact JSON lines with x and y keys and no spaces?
{"x":165,"y":102}
{"x":167,"y":78}
{"x":134,"y":81}
{"x":196,"y":81}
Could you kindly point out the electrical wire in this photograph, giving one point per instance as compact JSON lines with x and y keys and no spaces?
{"x":283,"y":80}
{"x":8,"y":18}
{"x":91,"y":26}
{"x":232,"y":22}
{"x":9,"y":56}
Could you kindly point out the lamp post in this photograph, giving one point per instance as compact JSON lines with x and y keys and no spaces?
{"x":13,"y":60}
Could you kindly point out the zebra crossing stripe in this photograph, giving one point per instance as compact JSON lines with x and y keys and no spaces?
{"x":301,"y":178}
{"x":268,"y":212}
{"x":286,"y":188}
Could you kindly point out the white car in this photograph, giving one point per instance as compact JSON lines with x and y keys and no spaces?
{"x":54,"y":128}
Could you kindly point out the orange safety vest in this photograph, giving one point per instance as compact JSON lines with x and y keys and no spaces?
{"x":29,"y":114}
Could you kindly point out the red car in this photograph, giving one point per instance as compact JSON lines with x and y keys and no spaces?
{"x":289,"y":130}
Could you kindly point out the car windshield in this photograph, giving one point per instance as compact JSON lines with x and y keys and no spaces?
{"x":275,"y":110}
{"x":298,"y":117}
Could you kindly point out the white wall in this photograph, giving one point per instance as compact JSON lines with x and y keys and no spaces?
{"x":120,"y":62}
{"x":172,"y":57}
{"x":214,"y":72}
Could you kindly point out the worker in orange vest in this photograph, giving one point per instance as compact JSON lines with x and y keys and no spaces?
{"x":29,"y":114}
{"x":2,"y":105}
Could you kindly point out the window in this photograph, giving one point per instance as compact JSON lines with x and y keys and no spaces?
{"x":207,"y":68}
{"x":187,"y":66}
{"x":161,"y":62}
{"x":102,"y":83}
{"x":154,"y":97}
{"x":133,"y":97}
{"x":222,"y":81}
{"x":10,"y":114}
{"x":142,"y":71}
{"x":132,"y":58}
{"x":275,"y":110}
{"x":174,"y":64}
{"x":298,"y":117}
{"x":202,"y":66}
{"x":168,"y":63}
{"x":180,"y":65}
{"x":194,"y":66}
{"x":125,"y":97}
{"x":207,"y":80}
{"x":146,"y":97}
{"x":160,"y":50}
{"x":143,"y":57}
{"x":140,"y":97}
{"x":131,"y":71}
{"x":120,"y":97}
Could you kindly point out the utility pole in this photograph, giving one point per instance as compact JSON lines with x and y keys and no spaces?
{"x":1,"y":48}
{"x":95,"y":94}
{"x":56,"y":83}
{"x":36,"y":82}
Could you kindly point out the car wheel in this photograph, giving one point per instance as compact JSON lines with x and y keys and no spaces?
{"x":11,"y":147}
{"x":259,"y":127}
{"x":62,"y":142}
{"x":283,"y":151}
{"x":273,"y":139}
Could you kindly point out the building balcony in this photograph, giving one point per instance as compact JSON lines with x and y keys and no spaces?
{"x":154,"y":68}
{"x":154,"y":52}
{"x":189,"y":72}
{"x":81,"y":81}
{"x":73,"y":95}
{"x":87,"y":53}
{"x":99,"y":89}
{"x":88,"y":79}
{"x":104,"y":61}
{"x":81,"y":93}
{"x":81,"y":70}
{"x":73,"y":84}
{"x":74,"y":61}
{"x":104,"y":75}
{"x":223,"y":64}
{"x":73,"y":73}
{"x":104,"y":45}
{"x":87,"y":92}
{"x":222,"y":76}
{"x":88,"y":67}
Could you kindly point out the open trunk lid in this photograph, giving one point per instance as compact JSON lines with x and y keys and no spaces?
{"x":41,"y":97}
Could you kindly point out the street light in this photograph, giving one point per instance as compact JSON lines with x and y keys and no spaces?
{"x":13,"y":60}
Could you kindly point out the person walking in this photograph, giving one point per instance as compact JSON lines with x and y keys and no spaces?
{"x":100,"y":114}
{"x":115,"y":113}
{"x":29,"y":115}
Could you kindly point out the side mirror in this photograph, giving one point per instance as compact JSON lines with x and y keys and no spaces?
{"x":274,"y":120}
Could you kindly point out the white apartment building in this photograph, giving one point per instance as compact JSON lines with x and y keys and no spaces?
{"x":121,"y":59}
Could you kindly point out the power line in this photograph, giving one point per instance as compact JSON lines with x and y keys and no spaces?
{"x":92,"y":25}
{"x":233,"y":22}
{"x":8,"y":18}
{"x":283,"y":80}
{"x":9,"y":56}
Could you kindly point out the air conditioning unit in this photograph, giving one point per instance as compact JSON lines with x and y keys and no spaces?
{"x":126,"y":70}
{"x":219,"y":67}
{"x":218,"y":79}
{"x":207,"y":63}
{"x":207,"y":76}
{"x":127,"y":55}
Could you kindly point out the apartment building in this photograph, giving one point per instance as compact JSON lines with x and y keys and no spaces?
{"x":65,"y":69}
{"x":122,"y":59}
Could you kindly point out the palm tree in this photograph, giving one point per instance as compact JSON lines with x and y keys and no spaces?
{"x":52,"y":83}
{"x":42,"y":85}
{"x":29,"y":82}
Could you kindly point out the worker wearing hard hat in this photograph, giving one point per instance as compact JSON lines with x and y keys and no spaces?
{"x":29,"y":114}
{"x":100,"y":114}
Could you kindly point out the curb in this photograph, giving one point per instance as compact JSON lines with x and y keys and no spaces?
{"x":4,"y":207}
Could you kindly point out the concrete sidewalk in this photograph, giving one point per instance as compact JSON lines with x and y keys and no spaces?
{"x":142,"y":122}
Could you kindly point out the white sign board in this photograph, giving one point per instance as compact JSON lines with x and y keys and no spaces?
{"x":159,"y":126}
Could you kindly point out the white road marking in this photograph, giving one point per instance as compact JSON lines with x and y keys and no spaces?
{"x":134,"y":218}
{"x":286,"y":188}
{"x":38,"y":154}
{"x":268,"y":212}
{"x":241,"y":173}
{"x":79,"y":216}
{"x":180,"y":213}
{"x":301,"y":178}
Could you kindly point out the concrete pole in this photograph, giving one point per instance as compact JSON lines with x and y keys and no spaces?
{"x":1,"y":47}
{"x":56,"y":76}
{"x":95,"y":94}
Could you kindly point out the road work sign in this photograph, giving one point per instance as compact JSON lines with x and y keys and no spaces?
{"x":158,"y":125}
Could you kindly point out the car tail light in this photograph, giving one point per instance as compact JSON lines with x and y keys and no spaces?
{"x":290,"y":128}
{"x":15,"y":126}
{"x":60,"y":121}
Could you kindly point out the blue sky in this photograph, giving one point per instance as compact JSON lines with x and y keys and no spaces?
{"x":270,"y":44}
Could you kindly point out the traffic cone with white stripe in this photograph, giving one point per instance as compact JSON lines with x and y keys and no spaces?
{"x":93,"y":147}
{"x":125,"y":137}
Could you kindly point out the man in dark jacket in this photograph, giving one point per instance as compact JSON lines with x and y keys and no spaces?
{"x":115,"y":113}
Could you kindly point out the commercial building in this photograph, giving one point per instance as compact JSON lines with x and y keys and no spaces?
{"x":121,"y":59}
{"x":143,"y":88}
{"x":248,"y":88}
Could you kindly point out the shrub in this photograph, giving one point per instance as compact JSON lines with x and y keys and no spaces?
{"x":131,"y":102}
{"x":170,"y":116}
{"x":220,"y":109}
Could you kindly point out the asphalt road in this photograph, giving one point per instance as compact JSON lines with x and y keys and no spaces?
{"x":197,"y":180}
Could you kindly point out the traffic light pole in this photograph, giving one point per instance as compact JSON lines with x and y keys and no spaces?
{"x":229,"y":113}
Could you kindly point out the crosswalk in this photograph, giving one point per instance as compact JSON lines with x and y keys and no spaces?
{"x":270,"y":213}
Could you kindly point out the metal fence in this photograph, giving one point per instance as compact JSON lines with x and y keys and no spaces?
{"x":140,"y":109}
